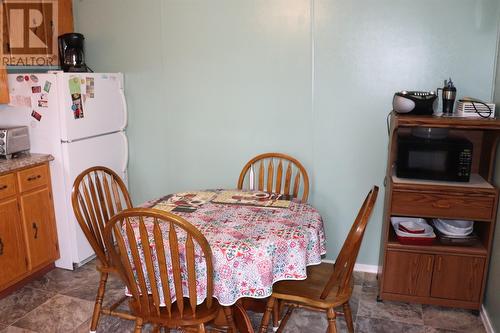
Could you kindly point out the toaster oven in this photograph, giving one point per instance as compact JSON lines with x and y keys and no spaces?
{"x":14,"y":140}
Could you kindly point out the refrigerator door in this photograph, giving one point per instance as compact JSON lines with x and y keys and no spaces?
{"x":101,"y":97}
{"x":106,"y":150}
{"x":38,"y":111}
{"x":45,"y":138}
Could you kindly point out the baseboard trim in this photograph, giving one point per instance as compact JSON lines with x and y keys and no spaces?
{"x":366,"y":268}
{"x":485,"y":318}
{"x":359,"y":267}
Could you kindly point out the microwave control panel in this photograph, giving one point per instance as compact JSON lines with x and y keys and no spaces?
{"x":465,"y":163}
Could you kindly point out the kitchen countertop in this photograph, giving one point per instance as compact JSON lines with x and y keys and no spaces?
{"x":23,"y":161}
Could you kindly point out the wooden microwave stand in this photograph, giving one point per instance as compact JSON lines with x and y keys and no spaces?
{"x":440,"y":274}
{"x":28,"y":237}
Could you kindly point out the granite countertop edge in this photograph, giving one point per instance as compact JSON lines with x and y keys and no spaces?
{"x":23,"y":161}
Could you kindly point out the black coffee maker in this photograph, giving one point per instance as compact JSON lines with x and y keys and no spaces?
{"x":71,"y":54}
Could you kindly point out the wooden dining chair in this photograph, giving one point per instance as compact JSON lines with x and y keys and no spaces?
{"x":98,"y":194}
{"x":327,"y":286}
{"x":274,"y":172}
{"x":241,"y":319}
{"x":158,"y":255}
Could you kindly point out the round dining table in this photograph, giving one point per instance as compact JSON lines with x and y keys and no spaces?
{"x":254,"y":243}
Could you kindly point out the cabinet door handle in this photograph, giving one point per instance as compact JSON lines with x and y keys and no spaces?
{"x":3,"y":187}
{"x":441,"y":205}
{"x":31,"y":178}
{"x":1,"y":247}
{"x":35,"y":227}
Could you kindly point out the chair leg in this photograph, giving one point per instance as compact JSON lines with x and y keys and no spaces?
{"x":281,"y":306}
{"x":228,"y":312}
{"x":348,"y":317}
{"x":201,"y":328}
{"x":330,"y":314}
{"x":267,"y":315}
{"x":138,"y":325}
{"x":98,"y":301}
{"x":285,"y":318}
{"x":276,"y":314}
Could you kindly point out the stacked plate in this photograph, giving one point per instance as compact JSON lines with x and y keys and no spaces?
{"x":454,"y":228}
{"x":413,"y":231}
{"x":456,"y":232}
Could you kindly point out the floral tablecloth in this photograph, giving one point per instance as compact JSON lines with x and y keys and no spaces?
{"x":253,"y":247}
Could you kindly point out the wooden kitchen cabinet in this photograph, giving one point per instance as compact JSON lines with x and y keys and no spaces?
{"x":57,"y":19}
{"x":440,"y":274}
{"x":13,"y":260}
{"x":64,"y":25}
{"x":65,"y":16}
{"x":4,"y":87}
{"x":28,"y":237}
{"x":457,"y":277}
{"x":409,"y":273}
{"x":38,"y":219}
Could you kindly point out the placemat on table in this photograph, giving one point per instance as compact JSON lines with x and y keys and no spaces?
{"x":185,"y":201}
{"x":252,"y":198}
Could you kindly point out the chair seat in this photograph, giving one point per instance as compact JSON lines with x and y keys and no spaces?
{"x":203,"y":314}
{"x":308,"y":291}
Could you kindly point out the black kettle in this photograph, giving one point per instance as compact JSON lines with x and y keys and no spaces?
{"x":71,"y":53}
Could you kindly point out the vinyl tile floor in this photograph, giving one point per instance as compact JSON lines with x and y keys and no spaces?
{"x":62,"y":301}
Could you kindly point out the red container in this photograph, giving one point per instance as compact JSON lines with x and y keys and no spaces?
{"x":416,"y":240}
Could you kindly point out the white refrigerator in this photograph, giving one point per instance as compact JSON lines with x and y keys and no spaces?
{"x":80,"y":119}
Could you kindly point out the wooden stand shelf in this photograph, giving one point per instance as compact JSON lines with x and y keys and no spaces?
{"x":440,"y":274}
{"x":477,"y":249}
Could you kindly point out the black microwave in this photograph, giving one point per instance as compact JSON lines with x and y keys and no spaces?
{"x":448,"y":159}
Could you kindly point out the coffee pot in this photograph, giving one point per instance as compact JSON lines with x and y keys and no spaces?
{"x":71,"y":53}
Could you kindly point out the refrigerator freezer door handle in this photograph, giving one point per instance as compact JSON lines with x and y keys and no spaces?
{"x":89,"y":137}
{"x":125,"y":109}
{"x":125,"y":165}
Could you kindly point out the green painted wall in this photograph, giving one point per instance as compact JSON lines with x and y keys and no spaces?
{"x":212,"y":83}
{"x":492,"y":298}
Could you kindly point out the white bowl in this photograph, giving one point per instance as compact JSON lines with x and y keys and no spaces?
{"x":457,"y":227}
{"x":446,"y":231}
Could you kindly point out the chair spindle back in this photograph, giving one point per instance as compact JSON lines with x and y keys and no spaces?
{"x":98,"y":194}
{"x":168,"y":247}
{"x":276,"y":173}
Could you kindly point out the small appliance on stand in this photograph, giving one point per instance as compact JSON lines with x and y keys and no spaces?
{"x":422,"y":103}
{"x":448,"y":95}
{"x":71,"y":53}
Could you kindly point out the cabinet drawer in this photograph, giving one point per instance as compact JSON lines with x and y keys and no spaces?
{"x":7,"y":185}
{"x":442,"y":205}
{"x":33,"y":178}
